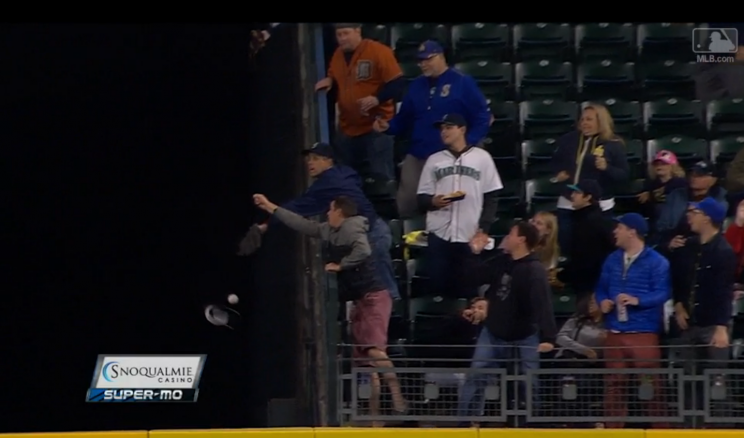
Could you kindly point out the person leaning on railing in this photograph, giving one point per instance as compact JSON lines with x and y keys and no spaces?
{"x":632,"y":290}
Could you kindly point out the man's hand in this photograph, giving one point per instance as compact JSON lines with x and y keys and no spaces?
{"x":720,"y":337}
{"x":263,"y":227}
{"x":606,"y":306}
{"x":332,"y":267}
{"x":478,"y":242}
{"x":601,"y":163}
{"x":738,"y":292}
{"x":263,"y":203}
{"x":677,"y":242}
{"x":681,"y":316}
{"x":590,"y":354}
{"x":380,"y":125}
{"x":562,"y":176}
{"x":439,"y":202}
{"x":367,"y":103}
{"x":324,"y":84}
{"x":545,"y":347}
{"x":643,"y":197}
{"x":627,"y":300}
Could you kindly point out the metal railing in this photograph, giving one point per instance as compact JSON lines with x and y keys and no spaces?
{"x":441,"y":387}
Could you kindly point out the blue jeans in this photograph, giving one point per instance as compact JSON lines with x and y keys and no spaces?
{"x":370,"y":153}
{"x":489,"y":351}
{"x":381,"y":240}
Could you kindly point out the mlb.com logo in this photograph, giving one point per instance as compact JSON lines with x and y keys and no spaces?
{"x":129,"y":378}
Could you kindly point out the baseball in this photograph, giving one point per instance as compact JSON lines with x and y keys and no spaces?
{"x":232,"y":299}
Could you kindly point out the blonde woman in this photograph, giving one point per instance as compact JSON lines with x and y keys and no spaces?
{"x":594,"y":152}
{"x":664,"y":176}
{"x":548,"y":250}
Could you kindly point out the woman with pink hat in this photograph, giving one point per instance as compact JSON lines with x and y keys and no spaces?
{"x":664,"y":175}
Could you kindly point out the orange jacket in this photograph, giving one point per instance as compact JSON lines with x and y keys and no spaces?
{"x":372,"y":65}
{"x":735,"y":238}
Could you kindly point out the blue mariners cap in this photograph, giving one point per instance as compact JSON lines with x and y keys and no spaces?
{"x":452,"y":119}
{"x":320,"y":149}
{"x":429,"y":48}
{"x":634,"y":221}
{"x":715,"y":210}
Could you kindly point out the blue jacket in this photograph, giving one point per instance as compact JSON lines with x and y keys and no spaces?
{"x":566,"y":154}
{"x":675,"y":209}
{"x":429,"y":100}
{"x":337,"y":181}
{"x":647,"y":279}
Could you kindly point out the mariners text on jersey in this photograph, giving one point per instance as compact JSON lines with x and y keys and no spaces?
{"x":457,"y":170}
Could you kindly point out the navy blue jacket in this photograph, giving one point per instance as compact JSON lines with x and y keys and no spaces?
{"x":674,"y":211}
{"x":647,"y":279}
{"x":337,"y":181}
{"x":429,"y":100}
{"x":703,"y":280}
{"x":566,"y":153}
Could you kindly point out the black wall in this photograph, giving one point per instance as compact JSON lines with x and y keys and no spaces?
{"x":130,"y":154}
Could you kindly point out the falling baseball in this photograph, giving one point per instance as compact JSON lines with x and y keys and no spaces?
{"x":232,"y":299}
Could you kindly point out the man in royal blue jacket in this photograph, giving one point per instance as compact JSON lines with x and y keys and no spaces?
{"x":632,"y":290}
{"x":332,"y":181}
{"x":439,"y":91}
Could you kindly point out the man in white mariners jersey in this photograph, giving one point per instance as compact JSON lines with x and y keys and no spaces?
{"x":451,"y":219}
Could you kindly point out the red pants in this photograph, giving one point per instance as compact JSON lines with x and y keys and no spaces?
{"x":631,"y":350}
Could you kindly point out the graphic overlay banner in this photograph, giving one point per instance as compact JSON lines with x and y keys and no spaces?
{"x":716,"y":41}
{"x":146,"y":378}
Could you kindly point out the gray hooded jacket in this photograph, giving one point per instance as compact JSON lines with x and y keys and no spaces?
{"x":347,"y":246}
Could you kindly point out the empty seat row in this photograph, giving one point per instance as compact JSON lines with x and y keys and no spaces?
{"x":590,"y":79}
{"x":549,"y":118}
{"x":501,"y":42}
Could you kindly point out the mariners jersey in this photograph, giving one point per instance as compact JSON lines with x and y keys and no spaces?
{"x":472,"y":172}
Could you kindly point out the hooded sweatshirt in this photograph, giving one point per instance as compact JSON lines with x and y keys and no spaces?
{"x":519,"y":297}
{"x":346,"y":246}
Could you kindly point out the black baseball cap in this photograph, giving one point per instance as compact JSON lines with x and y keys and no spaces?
{"x":320,"y":149}
{"x":703,"y":168}
{"x":451,"y":119}
{"x":588,"y":187}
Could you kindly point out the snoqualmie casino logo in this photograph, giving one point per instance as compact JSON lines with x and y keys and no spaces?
{"x":112,"y":371}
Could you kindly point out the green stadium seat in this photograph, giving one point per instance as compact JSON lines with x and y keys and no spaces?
{"x":626,"y":197}
{"x":667,"y":78}
{"x":689,"y":150}
{"x":544,"y":79}
{"x":547,"y":118}
{"x":410,"y":70}
{"x":503,"y":130}
{"x":635,"y":151}
{"x":564,"y":304}
{"x":543,"y":41}
{"x":723,"y":151}
{"x":625,"y":115}
{"x":662,"y":41}
{"x":503,"y":224}
{"x":481,"y":41}
{"x":673,"y":117}
{"x":435,"y":306}
{"x":537,"y":156}
{"x":493,"y":78}
{"x":542,"y":195}
{"x":510,"y":197}
{"x":725,"y":117}
{"x":605,"y":41}
{"x":377,"y":32}
{"x":417,"y":223}
{"x":606,"y":79}
{"x":407,"y":37}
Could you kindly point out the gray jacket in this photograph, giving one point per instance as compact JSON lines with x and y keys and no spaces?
{"x":347,"y":246}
